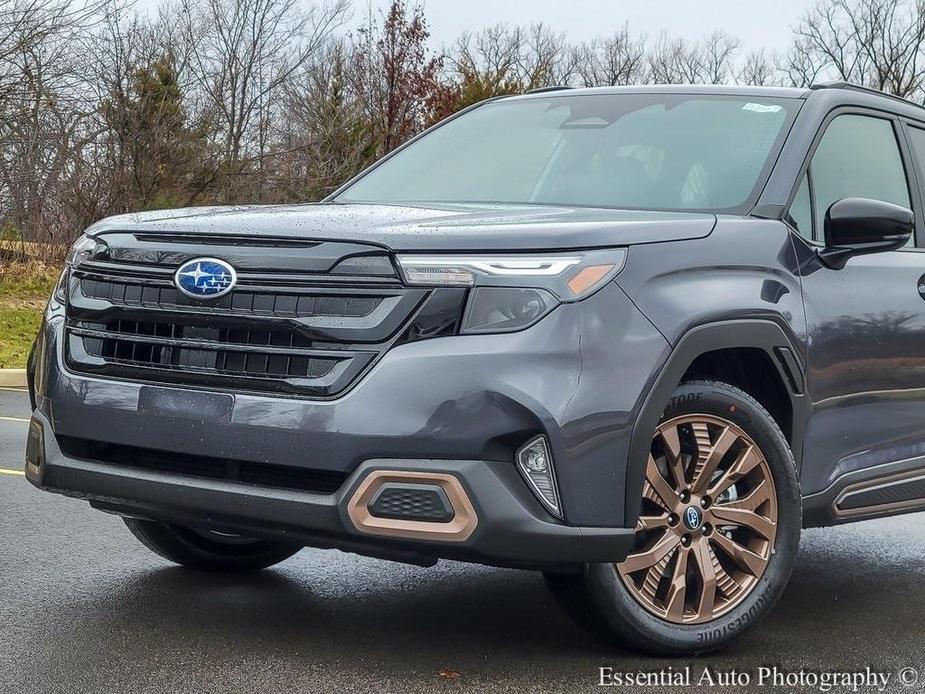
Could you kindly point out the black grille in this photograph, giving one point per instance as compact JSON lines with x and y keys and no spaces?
{"x":123,"y":293}
{"x":425,"y":502}
{"x":221,"y":350}
{"x":259,"y":474}
{"x":301,"y":319}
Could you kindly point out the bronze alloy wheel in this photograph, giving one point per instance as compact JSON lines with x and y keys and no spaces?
{"x":708,"y":522}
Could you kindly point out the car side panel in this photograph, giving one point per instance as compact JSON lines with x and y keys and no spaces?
{"x":740,"y":287}
{"x":745,"y":269}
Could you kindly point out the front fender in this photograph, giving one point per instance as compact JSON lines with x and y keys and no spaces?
{"x":761,"y":334}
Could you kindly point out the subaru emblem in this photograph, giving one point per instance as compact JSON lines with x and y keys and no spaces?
{"x":205,"y":278}
{"x":693,"y":519}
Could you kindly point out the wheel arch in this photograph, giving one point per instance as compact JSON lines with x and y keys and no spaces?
{"x":765,"y":336}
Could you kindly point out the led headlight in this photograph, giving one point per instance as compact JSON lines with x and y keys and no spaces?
{"x":569,"y":277}
{"x":512,"y":292}
{"x":449,"y":270}
{"x":535,"y":464}
{"x":81,"y":248}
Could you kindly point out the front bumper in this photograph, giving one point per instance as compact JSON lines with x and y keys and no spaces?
{"x":508,"y":531}
{"x":459,"y":406}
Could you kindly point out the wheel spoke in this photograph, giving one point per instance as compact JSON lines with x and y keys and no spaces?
{"x":748,"y":459}
{"x":664,"y":491}
{"x":677,"y":591}
{"x":710,"y":455}
{"x":744,"y":519}
{"x":744,"y":558}
{"x":648,"y":492}
{"x":655,"y":574}
{"x":751,"y":501}
{"x":652,"y":556}
{"x":672,"y":447}
{"x":708,"y":580}
{"x":646,"y":523}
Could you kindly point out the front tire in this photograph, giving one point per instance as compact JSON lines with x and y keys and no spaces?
{"x":718,"y":532}
{"x":208,"y":550}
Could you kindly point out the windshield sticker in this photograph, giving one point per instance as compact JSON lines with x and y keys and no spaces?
{"x":762,"y":108}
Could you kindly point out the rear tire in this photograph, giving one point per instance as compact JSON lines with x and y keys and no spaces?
{"x":724,"y":558}
{"x":207,"y":550}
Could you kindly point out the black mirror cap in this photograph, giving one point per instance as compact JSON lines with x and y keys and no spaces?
{"x":856,"y":226}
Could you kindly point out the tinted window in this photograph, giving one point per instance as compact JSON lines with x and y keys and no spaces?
{"x":661,"y":151}
{"x":857,"y":157}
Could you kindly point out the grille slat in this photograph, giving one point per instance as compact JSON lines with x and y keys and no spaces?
{"x":280,"y":331}
{"x":239,"y":301}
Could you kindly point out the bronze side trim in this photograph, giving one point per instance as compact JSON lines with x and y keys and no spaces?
{"x":457,"y":530}
{"x":879,"y":483}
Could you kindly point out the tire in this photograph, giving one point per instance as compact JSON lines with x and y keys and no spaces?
{"x":206,"y":550}
{"x":618,"y":599}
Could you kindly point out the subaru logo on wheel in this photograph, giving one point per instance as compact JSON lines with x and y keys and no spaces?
{"x":205,"y":278}
{"x":693,"y":518}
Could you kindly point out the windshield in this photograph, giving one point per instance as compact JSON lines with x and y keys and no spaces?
{"x":648,"y":151}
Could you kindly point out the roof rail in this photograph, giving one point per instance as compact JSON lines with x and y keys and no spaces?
{"x":554,"y":88}
{"x":841,"y":84}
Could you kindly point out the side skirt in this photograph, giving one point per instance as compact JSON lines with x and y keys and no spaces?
{"x":879,"y":492}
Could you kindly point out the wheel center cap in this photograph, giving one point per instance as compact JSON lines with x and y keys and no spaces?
{"x":693,"y":518}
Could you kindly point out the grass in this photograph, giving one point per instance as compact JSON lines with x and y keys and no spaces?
{"x":24,"y":289}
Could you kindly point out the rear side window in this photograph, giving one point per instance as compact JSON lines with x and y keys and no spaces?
{"x":857,"y":157}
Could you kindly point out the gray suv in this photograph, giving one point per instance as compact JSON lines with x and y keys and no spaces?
{"x":635,"y":338}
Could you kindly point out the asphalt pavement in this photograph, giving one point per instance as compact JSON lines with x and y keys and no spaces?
{"x":85,"y":608}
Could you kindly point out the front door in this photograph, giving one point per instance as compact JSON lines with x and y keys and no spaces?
{"x":866,"y":321}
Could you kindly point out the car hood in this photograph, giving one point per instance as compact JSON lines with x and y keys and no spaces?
{"x":426,"y":228}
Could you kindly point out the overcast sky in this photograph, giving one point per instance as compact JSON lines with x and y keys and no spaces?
{"x":756,"y":23}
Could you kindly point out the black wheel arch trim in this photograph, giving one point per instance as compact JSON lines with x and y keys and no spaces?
{"x":766,"y":335}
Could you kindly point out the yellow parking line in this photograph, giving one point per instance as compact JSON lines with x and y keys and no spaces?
{"x":14,"y":419}
{"x":5,"y":471}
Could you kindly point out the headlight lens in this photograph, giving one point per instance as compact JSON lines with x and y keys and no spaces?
{"x":512,"y":292}
{"x":505,"y":309}
{"x":60,"y":292}
{"x":81,"y":248}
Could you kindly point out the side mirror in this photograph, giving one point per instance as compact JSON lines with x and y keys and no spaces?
{"x":856,"y":226}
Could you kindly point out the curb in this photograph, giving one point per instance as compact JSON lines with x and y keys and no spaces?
{"x":13,"y":378}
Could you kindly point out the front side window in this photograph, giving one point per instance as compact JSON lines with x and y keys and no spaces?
{"x":858,"y":156}
{"x":648,"y":151}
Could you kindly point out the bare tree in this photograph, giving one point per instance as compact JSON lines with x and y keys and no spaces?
{"x":243,"y":52}
{"x":760,"y":68}
{"x":618,"y":59}
{"x":325,"y":139}
{"x":545,"y":58}
{"x":877,"y":43}
{"x":43,"y":109}
{"x":717,"y":54}
{"x":709,"y":61}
